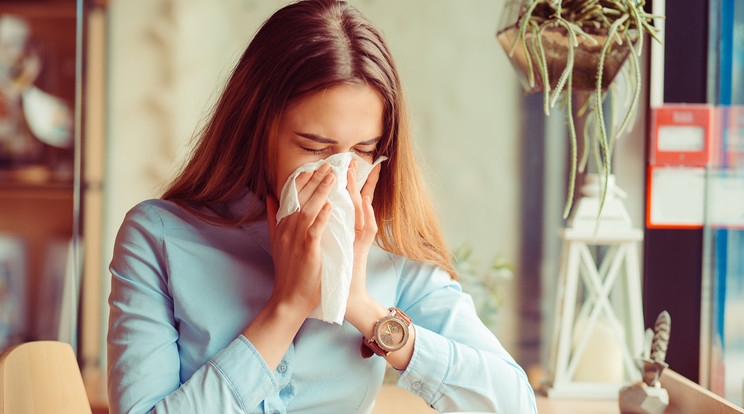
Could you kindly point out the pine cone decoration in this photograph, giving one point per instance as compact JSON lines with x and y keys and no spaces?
{"x":660,"y":343}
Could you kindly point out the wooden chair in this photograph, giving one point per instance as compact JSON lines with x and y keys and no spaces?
{"x":41,"y":377}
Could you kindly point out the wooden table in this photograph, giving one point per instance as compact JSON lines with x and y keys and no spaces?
{"x":685,"y":397}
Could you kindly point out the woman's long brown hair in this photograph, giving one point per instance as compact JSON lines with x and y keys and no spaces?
{"x":305,"y":47}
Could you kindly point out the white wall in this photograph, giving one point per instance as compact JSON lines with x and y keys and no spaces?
{"x":168,"y":59}
{"x":464,"y":103}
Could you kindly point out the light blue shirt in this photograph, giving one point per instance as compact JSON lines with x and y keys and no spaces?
{"x":183,"y":290}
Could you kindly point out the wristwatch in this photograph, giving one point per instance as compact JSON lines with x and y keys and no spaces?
{"x":390,"y":334}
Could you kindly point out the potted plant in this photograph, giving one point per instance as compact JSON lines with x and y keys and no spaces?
{"x":570,"y":47}
{"x":483,"y":284}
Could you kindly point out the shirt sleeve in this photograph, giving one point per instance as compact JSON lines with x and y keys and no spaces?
{"x":143,"y":355}
{"x":457,"y":363}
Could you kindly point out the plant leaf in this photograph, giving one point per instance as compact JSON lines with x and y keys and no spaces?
{"x":568,"y":70}
{"x":543,"y":66}
{"x":522,"y":35}
{"x":636,"y":90}
{"x":572,"y":130}
{"x":600,"y":114}
{"x":638,"y":21}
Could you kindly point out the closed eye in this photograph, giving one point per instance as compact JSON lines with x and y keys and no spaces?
{"x":313,"y":151}
{"x":366,"y":153}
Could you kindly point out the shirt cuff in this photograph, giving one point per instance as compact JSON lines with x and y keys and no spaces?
{"x":429,"y":365}
{"x":246,"y":371}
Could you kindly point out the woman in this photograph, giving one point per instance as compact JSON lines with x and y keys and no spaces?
{"x":211,"y":294}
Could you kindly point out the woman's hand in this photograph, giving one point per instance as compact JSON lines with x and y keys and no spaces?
{"x":362,"y":310}
{"x":295,"y":242}
{"x":365,"y":228}
{"x":295,"y":248}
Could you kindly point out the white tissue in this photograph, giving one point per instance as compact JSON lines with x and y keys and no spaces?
{"x":337,"y":241}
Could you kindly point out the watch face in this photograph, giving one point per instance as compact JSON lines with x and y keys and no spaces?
{"x":391,"y":333}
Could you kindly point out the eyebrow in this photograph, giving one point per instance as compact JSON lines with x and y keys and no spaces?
{"x":324,"y":140}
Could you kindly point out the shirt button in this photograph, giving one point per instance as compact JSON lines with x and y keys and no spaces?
{"x":416,"y":385}
{"x":282,"y":368}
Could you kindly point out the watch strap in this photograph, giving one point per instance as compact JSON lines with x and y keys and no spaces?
{"x":370,"y":347}
{"x":399,"y":313}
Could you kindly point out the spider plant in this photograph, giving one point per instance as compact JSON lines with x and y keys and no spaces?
{"x":595,"y":38}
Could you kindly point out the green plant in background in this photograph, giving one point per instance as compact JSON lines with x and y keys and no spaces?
{"x":566,"y":46}
{"x":483,"y":284}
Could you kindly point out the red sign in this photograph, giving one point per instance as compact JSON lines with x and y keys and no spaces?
{"x":682,"y":134}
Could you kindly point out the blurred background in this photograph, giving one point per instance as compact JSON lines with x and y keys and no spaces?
{"x":100,"y":99}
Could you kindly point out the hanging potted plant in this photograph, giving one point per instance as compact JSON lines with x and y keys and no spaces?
{"x":570,"y":47}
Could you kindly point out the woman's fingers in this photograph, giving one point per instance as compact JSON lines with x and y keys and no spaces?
{"x":309,"y":211}
{"x":370,"y":229}
{"x":356,"y":198}
{"x":369,"y":187}
{"x":315,"y":231}
{"x":314,"y":188}
{"x":302,"y":179}
{"x":311,"y":181}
